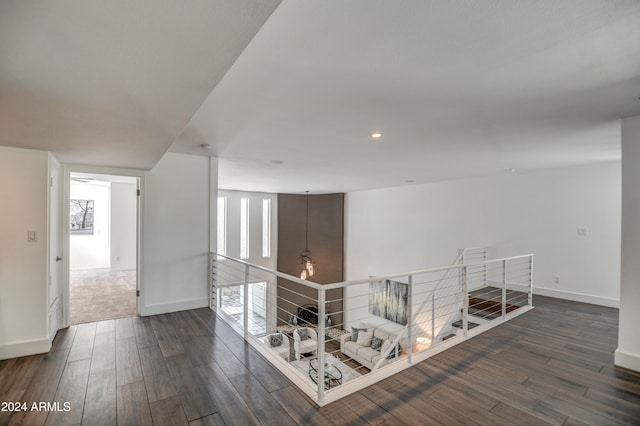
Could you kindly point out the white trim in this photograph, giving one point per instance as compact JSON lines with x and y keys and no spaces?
{"x":182,"y":305}
{"x":577,"y":297}
{"x":627,"y":360}
{"x":53,"y":335}
{"x":25,"y":348}
{"x":53,"y":310}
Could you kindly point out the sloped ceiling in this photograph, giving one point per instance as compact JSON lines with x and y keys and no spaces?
{"x":287,"y":96}
{"x":112,"y":83}
{"x":457,"y":88}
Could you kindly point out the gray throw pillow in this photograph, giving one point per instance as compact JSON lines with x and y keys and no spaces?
{"x":303,"y":333}
{"x":376,"y":343}
{"x":354,"y":333}
{"x":275,"y":339}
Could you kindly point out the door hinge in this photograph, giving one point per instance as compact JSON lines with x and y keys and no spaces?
{"x":137,"y":293}
{"x":138,"y":192}
{"x":51,"y":182}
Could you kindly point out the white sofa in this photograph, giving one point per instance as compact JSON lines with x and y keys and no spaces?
{"x":365,"y":354}
{"x":282,"y":350}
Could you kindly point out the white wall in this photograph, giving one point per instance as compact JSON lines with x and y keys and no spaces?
{"x":123,"y":225}
{"x":92,"y":251}
{"x":176,"y":238}
{"x":628,"y":352}
{"x":403,"y":229}
{"x":23,"y":265}
{"x":176,"y":233}
{"x":255,"y":225}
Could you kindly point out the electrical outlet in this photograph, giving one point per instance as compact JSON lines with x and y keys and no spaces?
{"x":556,"y":279}
{"x":582,"y":232}
{"x":32,"y":236}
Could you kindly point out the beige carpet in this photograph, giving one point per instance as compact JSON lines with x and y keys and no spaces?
{"x":98,"y":295}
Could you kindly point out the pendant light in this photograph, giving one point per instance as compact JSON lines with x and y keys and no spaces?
{"x":306,"y":265}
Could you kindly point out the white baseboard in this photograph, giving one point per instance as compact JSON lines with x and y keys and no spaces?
{"x":123,"y":268}
{"x":627,"y":360}
{"x":24,"y":348}
{"x":576,"y":297}
{"x":182,"y":305}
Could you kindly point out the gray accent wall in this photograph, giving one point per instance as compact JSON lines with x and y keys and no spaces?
{"x":326,"y":236}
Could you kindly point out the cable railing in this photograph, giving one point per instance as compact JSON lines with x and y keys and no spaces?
{"x":335,"y":339}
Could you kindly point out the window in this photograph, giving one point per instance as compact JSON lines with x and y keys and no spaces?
{"x":222,"y":226}
{"x":266,"y":228}
{"x":244,"y":228}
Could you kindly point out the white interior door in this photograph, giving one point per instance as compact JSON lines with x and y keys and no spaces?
{"x":55,"y":246}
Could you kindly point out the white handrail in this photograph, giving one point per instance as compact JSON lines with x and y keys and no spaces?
{"x":342,"y":284}
{"x":309,"y":284}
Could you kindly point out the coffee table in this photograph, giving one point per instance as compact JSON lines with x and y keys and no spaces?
{"x":332,"y":374}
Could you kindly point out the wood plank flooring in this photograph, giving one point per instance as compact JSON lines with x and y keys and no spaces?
{"x":553,"y":365}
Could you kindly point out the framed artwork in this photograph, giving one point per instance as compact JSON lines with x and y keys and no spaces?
{"x":389,"y":300}
{"x":81,"y":217}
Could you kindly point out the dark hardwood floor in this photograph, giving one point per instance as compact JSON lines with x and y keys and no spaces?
{"x":553,"y":365}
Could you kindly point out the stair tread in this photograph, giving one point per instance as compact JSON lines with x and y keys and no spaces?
{"x":470,"y":324}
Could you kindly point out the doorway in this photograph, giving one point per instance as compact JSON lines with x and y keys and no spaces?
{"x":103,"y":241}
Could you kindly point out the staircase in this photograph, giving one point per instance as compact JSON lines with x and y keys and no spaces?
{"x":485,"y":301}
{"x":482,"y":310}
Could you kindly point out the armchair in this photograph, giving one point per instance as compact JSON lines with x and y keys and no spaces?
{"x":282,"y":349}
{"x":306,"y":346}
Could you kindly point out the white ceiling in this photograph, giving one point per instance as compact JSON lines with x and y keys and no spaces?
{"x":458,"y":88}
{"x":112,"y":83}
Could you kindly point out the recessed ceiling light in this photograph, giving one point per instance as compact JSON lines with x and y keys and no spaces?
{"x":510,"y":170}
{"x":376,"y":135}
{"x":205,"y":146}
{"x":276,"y":162}
{"x":409,"y":180}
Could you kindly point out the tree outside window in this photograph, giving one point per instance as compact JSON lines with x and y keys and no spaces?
{"x":81,"y":220}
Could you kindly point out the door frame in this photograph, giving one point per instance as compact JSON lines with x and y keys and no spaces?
{"x":66,"y":197}
{"x":54,"y":247}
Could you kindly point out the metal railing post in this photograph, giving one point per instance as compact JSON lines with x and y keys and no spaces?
{"x":245,"y":303}
{"x":504,"y":289}
{"x":530,"y":281}
{"x":484,"y":267}
{"x":433,"y":318}
{"x":460,"y":262}
{"x":321,"y":348}
{"x":213,"y":296}
{"x":465,"y":296}
{"x":410,"y":319}
{"x":272,"y":312}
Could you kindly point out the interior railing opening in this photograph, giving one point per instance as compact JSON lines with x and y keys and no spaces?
{"x":334,"y":339}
